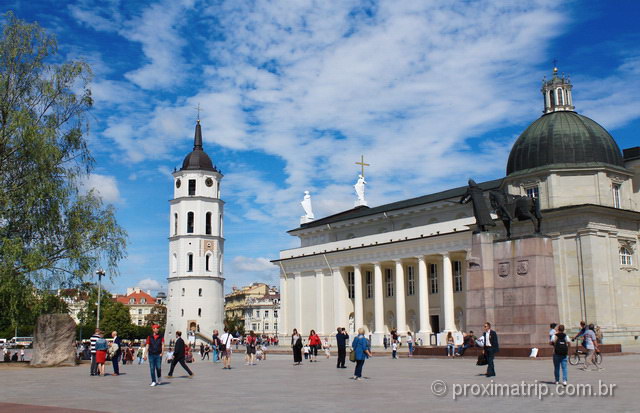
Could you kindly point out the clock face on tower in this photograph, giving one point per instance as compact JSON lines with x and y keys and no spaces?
{"x":207,"y":245}
{"x":178,"y":183}
{"x":209,"y":182}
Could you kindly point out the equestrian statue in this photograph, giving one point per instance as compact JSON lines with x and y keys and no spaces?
{"x":511,"y":207}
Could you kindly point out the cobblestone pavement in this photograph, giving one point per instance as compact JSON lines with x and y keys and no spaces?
{"x":277,"y":385}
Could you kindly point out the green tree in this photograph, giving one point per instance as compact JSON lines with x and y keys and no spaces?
{"x":158,"y":315}
{"x":234,"y":324}
{"x":51,"y":234}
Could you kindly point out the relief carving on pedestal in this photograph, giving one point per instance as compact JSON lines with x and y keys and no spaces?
{"x":503,"y":269}
{"x":523,"y":267}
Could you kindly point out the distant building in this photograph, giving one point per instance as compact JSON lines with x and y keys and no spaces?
{"x":76,"y":301}
{"x":256,"y":305}
{"x":139,"y":302}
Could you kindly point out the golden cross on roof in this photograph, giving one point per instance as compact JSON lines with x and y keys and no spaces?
{"x":362,"y":164}
{"x":198,"y":109}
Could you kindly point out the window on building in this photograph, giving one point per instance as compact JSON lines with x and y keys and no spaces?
{"x":182,"y":312}
{"x":189,"y":262}
{"x":183,"y":292}
{"x":388,"y":276}
{"x":433,"y":278}
{"x":266,"y":326}
{"x":275,"y":326}
{"x":192,"y":187}
{"x":199,"y":312}
{"x":199,"y":292}
{"x":533,"y":192}
{"x":174,"y":263}
{"x":351,"y":279}
{"x":257,"y":313}
{"x":207,"y":260}
{"x":175,"y":224}
{"x":411,"y":280}
{"x":275,"y":313}
{"x":207,"y":228}
{"x":369,"y":284}
{"x":616,"y":196}
{"x":552,"y":98}
{"x":132,"y":300}
{"x":266,"y":313}
{"x":560,"y":96}
{"x":457,"y":276}
{"x":139,"y":322}
{"x":190,"y":222}
{"x":254,"y":326}
{"x":626,"y":258}
{"x":139,"y":310}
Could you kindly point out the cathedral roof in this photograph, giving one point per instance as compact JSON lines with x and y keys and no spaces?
{"x":198,"y":158}
{"x":563,"y":139}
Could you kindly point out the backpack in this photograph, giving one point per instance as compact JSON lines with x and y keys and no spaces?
{"x":561,"y":346}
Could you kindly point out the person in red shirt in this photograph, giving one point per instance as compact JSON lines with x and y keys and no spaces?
{"x":314,"y":344}
{"x":155,"y":348}
{"x":251,"y":342}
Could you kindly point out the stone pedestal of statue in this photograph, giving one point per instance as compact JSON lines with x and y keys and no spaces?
{"x":511,"y":284}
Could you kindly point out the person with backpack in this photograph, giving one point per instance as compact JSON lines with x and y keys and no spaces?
{"x":101,"y":353}
{"x":154,"y":349}
{"x":560,"y":343}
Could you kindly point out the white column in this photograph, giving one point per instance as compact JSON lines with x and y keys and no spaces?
{"x":320,"y":302}
{"x":357,"y":299}
{"x":339,"y":287}
{"x":284,"y":296}
{"x":378,"y":298}
{"x":401,"y":311}
{"x":423,"y":301}
{"x":297,"y":312}
{"x":447,"y":291}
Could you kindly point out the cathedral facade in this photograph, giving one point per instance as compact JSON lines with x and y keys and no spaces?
{"x":196,"y":247}
{"x":405,"y":265}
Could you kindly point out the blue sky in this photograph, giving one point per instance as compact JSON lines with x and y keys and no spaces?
{"x":294,"y":91}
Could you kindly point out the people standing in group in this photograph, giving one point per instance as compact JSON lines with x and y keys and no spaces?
{"x":179,"y":352}
{"x":116,"y":344}
{"x":394,"y":349}
{"x":362,"y":351}
{"x":226,"y":341}
{"x":591,"y":344}
{"x":101,"y":353}
{"x":92,"y":347}
{"x":491,"y":347}
{"x":341,"y":341}
{"x":314,"y":345}
{"x":251,"y":343}
{"x":451,"y":344}
{"x":154,"y":350}
{"x":560,"y":343}
{"x":410,"y":343}
{"x":296,"y":345}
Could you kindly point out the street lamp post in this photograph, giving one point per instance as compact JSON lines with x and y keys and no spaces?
{"x":100,"y":273}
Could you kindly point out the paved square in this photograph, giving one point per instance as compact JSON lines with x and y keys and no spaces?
{"x":276,"y":385}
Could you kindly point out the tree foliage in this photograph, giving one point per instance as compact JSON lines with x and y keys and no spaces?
{"x":158,"y":315}
{"x":51,"y":234}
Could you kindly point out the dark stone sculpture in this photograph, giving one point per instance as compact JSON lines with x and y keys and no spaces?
{"x":480,"y":209}
{"x":510,"y":207}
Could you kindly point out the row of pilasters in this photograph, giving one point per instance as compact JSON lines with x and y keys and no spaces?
{"x":340,"y":298}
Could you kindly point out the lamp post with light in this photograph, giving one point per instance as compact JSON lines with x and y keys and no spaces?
{"x":100,"y":273}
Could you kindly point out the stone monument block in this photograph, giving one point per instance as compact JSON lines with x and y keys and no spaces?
{"x":54,"y":341}
{"x":513,"y":287}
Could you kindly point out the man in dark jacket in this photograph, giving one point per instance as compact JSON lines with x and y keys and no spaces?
{"x":341,"y":339}
{"x":491,"y":347}
{"x":178,"y":356}
{"x":116,"y":356}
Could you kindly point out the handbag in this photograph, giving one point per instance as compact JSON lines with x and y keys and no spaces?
{"x":352,"y":355}
{"x":482,"y":360}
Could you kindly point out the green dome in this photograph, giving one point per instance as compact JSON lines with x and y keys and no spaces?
{"x":563,"y":139}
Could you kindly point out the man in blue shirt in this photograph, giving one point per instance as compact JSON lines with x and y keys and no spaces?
{"x":341,"y":339}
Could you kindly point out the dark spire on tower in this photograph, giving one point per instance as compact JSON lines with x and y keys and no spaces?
{"x":197,"y":139}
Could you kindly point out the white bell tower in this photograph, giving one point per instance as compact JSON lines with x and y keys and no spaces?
{"x":196,"y":248}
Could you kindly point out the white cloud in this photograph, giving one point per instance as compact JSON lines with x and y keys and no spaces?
{"x":253,"y":264}
{"x":150,"y":284}
{"x":105,"y":186}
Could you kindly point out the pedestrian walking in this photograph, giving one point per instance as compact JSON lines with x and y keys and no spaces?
{"x":92,"y":347}
{"x":226,"y":341}
{"x":251,"y":342}
{"x":296,"y":345}
{"x":560,"y":343}
{"x":178,"y":356}
{"x":362,"y":349}
{"x":491,"y":347}
{"x":341,"y":341}
{"x":140,"y":355}
{"x":154,"y":348}
{"x":116,"y":352}
{"x":410,"y":343}
{"x":314,"y":345}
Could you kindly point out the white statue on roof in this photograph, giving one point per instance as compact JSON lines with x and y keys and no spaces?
{"x":308,"y":210}
{"x":359,"y":187}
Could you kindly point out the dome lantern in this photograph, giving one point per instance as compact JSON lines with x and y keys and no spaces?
{"x":557,"y":93}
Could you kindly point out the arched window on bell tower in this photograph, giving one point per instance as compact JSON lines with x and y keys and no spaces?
{"x":207,"y":262}
{"x":190,"y":262}
{"x":175,"y":223}
{"x":208,"y":224}
{"x":190,"y":222}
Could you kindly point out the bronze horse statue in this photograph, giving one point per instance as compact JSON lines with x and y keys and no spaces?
{"x":510,"y":207}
